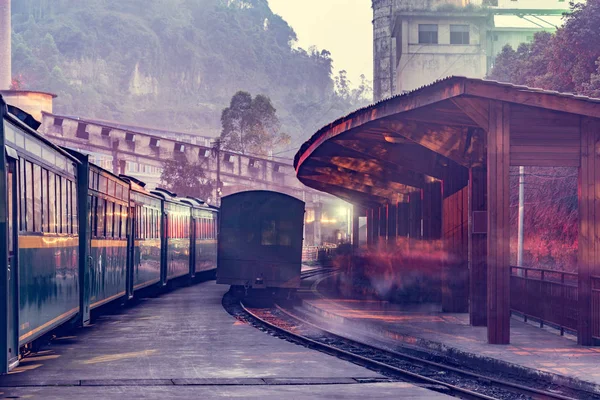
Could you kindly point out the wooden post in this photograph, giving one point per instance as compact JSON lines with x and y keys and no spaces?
{"x":477,"y":246}
{"x":375,"y":239}
{"x":391,"y":224}
{"x":589,"y":227}
{"x":402,"y":220}
{"x":383,"y":225}
{"x":432,"y":211}
{"x":415,"y":215}
{"x":355,"y":227}
{"x":498,"y":239}
{"x":369,"y":227}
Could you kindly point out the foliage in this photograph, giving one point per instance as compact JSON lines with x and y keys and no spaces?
{"x":186,"y":178}
{"x":171,"y":63}
{"x":565,"y":61}
{"x":250,"y":125}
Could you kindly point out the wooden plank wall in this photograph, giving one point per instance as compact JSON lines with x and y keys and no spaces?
{"x":455,"y":272}
{"x":589,"y":226}
{"x":477,"y":249}
{"x":544,"y":138}
{"x":498,"y":240}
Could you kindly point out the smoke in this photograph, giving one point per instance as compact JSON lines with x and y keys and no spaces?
{"x":409,"y":271}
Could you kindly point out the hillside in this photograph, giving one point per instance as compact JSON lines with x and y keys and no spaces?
{"x":172,"y":64}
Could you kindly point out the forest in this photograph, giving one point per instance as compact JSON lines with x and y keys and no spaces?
{"x":175,"y":64}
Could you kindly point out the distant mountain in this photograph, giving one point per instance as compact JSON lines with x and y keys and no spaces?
{"x":172,"y":64}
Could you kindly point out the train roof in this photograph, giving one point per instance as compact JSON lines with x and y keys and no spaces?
{"x":257,"y":192}
{"x":138,"y":186}
{"x":21,"y":120}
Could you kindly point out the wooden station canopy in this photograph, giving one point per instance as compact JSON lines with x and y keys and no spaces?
{"x":449,"y":147}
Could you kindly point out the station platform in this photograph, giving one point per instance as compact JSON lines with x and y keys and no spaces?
{"x":184,"y":345}
{"x":534,"y":351}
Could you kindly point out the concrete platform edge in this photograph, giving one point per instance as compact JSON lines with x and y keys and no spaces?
{"x":488,"y":364}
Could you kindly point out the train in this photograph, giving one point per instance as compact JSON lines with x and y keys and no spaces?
{"x":260,"y":243}
{"x":77,"y":237}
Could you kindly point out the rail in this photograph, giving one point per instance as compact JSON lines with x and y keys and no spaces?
{"x":549,"y":297}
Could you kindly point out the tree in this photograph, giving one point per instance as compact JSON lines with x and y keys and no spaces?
{"x":564,"y":61}
{"x":250,"y":125}
{"x":186,"y":179}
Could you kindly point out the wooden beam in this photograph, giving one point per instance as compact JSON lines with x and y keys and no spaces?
{"x":341,"y":181}
{"x":397,"y":156}
{"x":448,"y":141}
{"x":379,"y":174}
{"x":498,"y":239}
{"x":349,"y":195}
{"x":357,"y":177}
{"x":534,"y":98}
{"x":476,"y":109}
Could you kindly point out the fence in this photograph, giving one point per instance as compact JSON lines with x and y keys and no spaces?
{"x":548,"y":296}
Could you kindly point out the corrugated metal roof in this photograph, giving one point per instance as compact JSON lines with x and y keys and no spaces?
{"x":449,"y":79}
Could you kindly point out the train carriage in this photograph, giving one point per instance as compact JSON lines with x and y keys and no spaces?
{"x":176,"y":235}
{"x":204,"y":236}
{"x":145,"y":246}
{"x":108,"y":199}
{"x":260,"y":240}
{"x":40,"y":227}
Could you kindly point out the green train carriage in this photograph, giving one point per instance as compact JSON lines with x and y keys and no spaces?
{"x":39,"y":227}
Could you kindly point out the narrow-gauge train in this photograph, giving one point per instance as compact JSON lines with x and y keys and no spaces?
{"x":75,"y":237}
{"x":260,"y":243}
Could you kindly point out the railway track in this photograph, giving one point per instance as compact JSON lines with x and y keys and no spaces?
{"x":435,"y":376}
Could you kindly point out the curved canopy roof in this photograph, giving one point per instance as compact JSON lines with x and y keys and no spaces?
{"x":382,"y":152}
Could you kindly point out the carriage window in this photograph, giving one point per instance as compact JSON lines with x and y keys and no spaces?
{"x":22,"y":197}
{"x":101,"y":209}
{"x":37,"y":198}
{"x":29,"y":195}
{"x":45,"y":202}
{"x":110,"y":212}
{"x":52,"y":201}
{"x":74,"y":205}
{"x":67,"y":205}
{"x":124,"y":221}
{"x":64,"y":203}
{"x":285,"y":233}
{"x":269,"y":233}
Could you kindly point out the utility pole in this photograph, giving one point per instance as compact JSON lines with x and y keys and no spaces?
{"x":521,"y":217}
{"x":217,"y":154}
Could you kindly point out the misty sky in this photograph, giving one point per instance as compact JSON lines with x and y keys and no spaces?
{"x":341,"y":26}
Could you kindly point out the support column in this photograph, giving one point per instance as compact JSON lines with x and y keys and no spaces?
{"x":498,"y":240}
{"x":355,"y":227}
{"x":375,"y":226}
{"x":432,"y":211}
{"x":414,"y":215}
{"x":382,"y":225}
{"x":477,"y":246}
{"x":317,"y":225}
{"x":391,"y":225}
{"x":403,"y":220}
{"x":369,"y":227}
{"x":589,"y":228}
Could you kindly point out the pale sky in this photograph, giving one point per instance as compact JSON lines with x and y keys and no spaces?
{"x":341,"y":26}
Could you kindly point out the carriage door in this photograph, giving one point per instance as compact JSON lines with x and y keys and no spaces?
{"x":13,"y":321}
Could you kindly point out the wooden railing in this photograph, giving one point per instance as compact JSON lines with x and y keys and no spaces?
{"x":549,"y":297}
{"x":596,"y":307}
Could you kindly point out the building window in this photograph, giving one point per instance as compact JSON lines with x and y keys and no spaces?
{"x":459,"y":34}
{"x":428,"y":34}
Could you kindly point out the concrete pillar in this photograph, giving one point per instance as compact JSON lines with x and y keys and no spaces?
{"x":5,"y":45}
{"x":383,"y":60}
